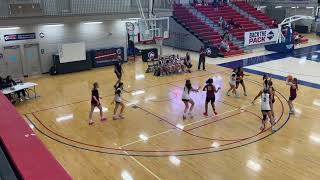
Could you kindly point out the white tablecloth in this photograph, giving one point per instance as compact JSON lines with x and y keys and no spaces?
{"x":19,"y":87}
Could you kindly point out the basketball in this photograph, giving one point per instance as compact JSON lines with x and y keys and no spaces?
{"x":290,"y":77}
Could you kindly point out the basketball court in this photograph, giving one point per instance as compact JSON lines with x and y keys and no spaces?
{"x":153,"y":140}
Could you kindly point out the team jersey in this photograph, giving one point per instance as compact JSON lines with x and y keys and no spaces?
{"x":265,"y":102}
{"x":293,"y":92}
{"x":232,"y":79}
{"x":210,"y":90}
{"x":186,"y":93}
{"x":94,"y":93}
{"x":118,"y":95}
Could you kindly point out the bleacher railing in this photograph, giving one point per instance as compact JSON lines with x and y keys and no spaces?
{"x":82,"y":7}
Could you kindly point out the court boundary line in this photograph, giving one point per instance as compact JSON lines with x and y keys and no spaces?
{"x":142,"y":165}
{"x":158,"y":116}
{"x":88,"y":100}
{"x":169,"y":155}
{"x":232,"y":141}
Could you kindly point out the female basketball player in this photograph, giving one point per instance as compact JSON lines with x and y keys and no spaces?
{"x":118,"y":70}
{"x":118,"y":101}
{"x":186,"y":98}
{"x":272,"y":93}
{"x":265,"y":108}
{"x":232,"y":83}
{"x":211,"y":90}
{"x":95,"y":102}
{"x":293,"y":93}
{"x":240,"y":74}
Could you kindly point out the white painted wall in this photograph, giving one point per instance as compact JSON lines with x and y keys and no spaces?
{"x":111,"y":33}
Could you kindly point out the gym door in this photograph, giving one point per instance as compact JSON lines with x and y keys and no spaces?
{"x":12,"y":57}
{"x":32,"y":59}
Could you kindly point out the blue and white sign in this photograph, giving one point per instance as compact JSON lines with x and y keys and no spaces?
{"x":17,"y":37}
{"x":260,"y":37}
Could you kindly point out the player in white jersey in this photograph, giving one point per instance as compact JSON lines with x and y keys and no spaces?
{"x":186,"y":98}
{"x":118,"y":101}
{"x":265,"y":107}
{"x":233,"y":83}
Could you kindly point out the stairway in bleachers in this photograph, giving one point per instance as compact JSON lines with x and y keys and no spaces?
{"x":254,"y":12}
{"x":201,"y":30}
{"x":229,"y":13}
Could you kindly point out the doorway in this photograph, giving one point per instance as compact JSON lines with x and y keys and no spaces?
{"x":32,"y":59}
{"x":12,"y":59}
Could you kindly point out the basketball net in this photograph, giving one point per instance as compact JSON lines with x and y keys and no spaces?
{"x":159,"y":42}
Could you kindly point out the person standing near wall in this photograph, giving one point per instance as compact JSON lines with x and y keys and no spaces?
{"x":202,"y":58}
{"x":118,"y":69}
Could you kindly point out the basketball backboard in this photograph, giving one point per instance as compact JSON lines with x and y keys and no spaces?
{"x":154,"y":27}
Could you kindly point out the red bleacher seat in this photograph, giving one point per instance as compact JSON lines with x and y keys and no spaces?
{"x":228,"y":13}
{"x":206,"y":32}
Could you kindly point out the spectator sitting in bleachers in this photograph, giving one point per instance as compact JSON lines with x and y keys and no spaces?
{"x":215,"y":4}
{"x":224,"y":46}
{"x":222,"y":22}
{"x":227,"y":27}
{"x":274,"y":23}
{"x":231,"y":22}
{"x":226,"y":35}
{"x":204,"y":3}
{"x":237,"y":26}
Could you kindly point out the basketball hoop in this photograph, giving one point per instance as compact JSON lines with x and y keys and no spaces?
{"x":158,"y":40}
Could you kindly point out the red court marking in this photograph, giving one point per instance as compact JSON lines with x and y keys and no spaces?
{"x":55,"y":107}
{"x":153,"y":151}
{"x":213,"y":122}
{"x":29,"y":155}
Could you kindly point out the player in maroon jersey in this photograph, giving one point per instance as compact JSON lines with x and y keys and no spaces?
{"x":293,"y":93}
{"x":211,"y":90}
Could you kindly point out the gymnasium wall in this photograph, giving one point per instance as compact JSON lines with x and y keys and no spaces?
{"x":180,"y":38}
{"x":281,"y":13}
{"x":87,"y":7}
{"x":109,"y":34}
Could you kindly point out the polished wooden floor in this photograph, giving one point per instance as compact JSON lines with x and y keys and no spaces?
{"x":154,"y":142}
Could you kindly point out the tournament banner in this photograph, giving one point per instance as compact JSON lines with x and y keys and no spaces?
{"x":108,"y":55}
{"x":17,"y":37}
{"x":260,"y":37}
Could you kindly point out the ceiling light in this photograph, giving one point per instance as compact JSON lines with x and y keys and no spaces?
{"x":53,"y":25}
{"x":310,"y":7}
{"x":9,"y":28}
{"x":278,"y":7}
{"x":88,"y":23}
